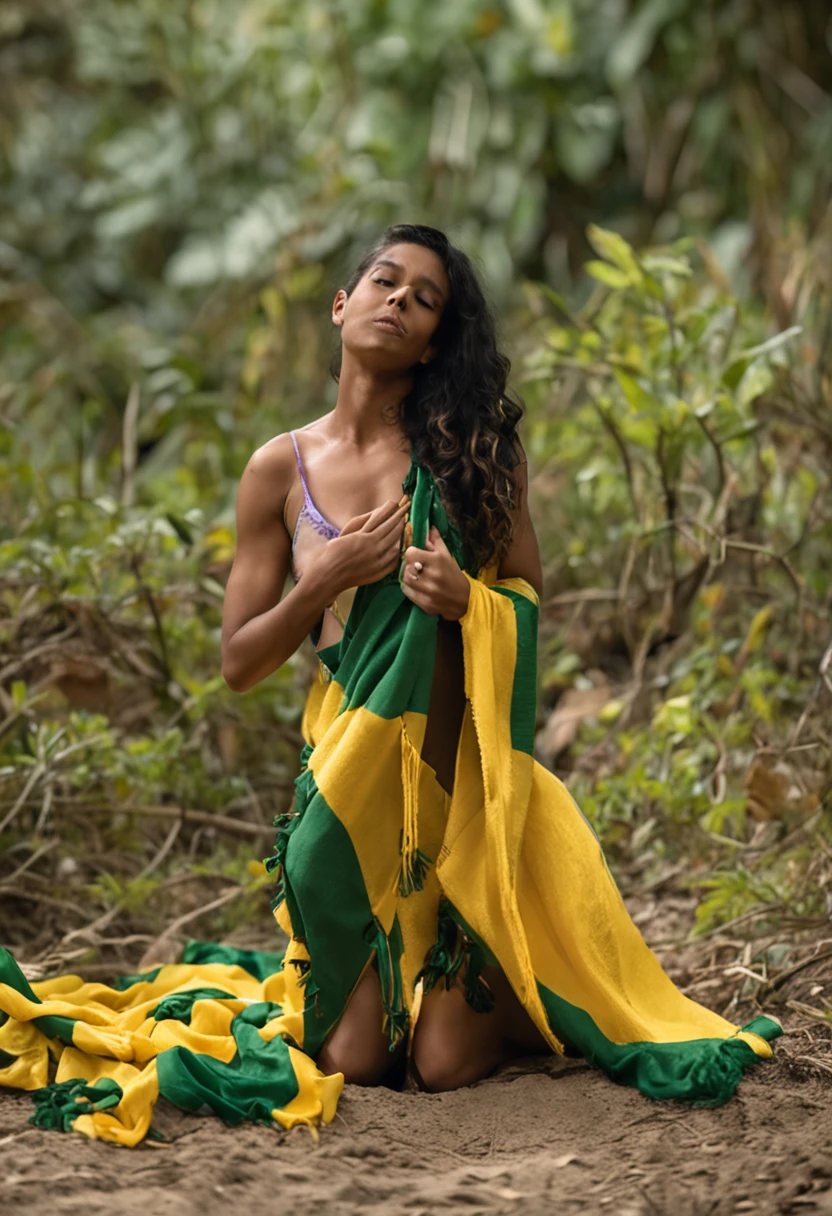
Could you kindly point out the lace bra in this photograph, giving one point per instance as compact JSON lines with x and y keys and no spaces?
{"x":312,"y":531}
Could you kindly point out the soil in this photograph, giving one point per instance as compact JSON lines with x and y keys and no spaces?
{"x":549,"y":1135}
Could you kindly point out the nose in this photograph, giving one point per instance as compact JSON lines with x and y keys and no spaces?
{"x":397,"y":297}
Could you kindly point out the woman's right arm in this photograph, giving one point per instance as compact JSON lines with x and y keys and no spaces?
{"x":260,"y":631}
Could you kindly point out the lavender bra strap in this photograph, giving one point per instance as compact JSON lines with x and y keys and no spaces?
{"x":306,"y":495}
{"x":319,"y":522}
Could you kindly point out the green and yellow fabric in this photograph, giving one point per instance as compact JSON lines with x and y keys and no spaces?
{"x":376,"y":865}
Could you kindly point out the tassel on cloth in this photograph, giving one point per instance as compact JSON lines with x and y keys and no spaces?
{"x":60,"y":1104}
{"x":415,"y":862}
{"x":445,"y":957}
{"x":286,"y":823}
{"x":396,"y":1016}
{"x":452,"y":949}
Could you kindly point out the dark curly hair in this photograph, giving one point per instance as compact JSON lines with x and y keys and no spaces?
{"x":460,"y":418}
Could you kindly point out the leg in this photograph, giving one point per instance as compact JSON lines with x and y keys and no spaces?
{"x":357,"y":1046}
{"x":447,"y":704}
{"x":453,"y":1045}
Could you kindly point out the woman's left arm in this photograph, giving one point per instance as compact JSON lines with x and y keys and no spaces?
{"x":441,"y":588}
{"x":523,"y":557}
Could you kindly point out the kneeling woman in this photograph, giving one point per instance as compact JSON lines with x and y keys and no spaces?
{"x":446,"y":902}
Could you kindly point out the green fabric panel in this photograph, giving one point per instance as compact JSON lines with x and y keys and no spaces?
{"x":56,"y":1027}
{"x":122,"y":982}
{"x":378,"y":671}
{"x":179,"y":1006}
{"x":765,"y":1027}
{"x":259,"y":963}
{"x":704,"y":1072}
{"x":322,"y":871}
{"x":53,"y":1026}
{"x":257,"y":1081}
{"x":524,"y":688}
{"x":11,"y":974}
{"x":385,"y":659}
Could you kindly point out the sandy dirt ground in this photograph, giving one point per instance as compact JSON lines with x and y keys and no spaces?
{"x":544,"y":1136}
{"x":540,"y":1136}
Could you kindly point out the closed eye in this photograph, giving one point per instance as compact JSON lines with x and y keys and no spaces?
{"x":388,"y":283}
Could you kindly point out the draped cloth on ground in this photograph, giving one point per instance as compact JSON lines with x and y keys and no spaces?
{"x":376,"y":865}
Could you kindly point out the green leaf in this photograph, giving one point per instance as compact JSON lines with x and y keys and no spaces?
{"x":637,"y":396}
{"x":772,"y":344}
{"x":675,"y":266}
{"x":613,"y":247}
{"x":757,"y":380}
{"x":180,"y":528}
{"x":610,"y":275}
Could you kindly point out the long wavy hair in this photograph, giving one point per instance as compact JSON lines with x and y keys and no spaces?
{"x":459,"y":416}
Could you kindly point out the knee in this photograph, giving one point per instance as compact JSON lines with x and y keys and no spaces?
{"x":439,"y":1070}
{"x":359,"y":1067}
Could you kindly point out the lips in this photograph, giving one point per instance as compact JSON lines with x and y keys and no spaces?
{"x":388,"y":321}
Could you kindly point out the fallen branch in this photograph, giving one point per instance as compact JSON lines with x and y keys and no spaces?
{"x":777,"y":981}
{"x":152,"y":955}
{"x":222,"y":823}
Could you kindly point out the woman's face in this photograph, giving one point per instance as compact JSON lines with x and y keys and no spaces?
{"x":407,"y":282}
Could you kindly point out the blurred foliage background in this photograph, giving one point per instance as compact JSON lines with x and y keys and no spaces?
{"x":645,"y":188}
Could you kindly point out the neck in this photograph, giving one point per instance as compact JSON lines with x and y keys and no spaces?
{"x":367,"y":407}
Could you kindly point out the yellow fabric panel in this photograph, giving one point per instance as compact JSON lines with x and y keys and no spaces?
{"x":283,"y":988}
{"x":486,"y":818}
{"x":110,"y":1041}
{"x":317,"y":1096}
{"x":323,"y":705}
{"x":489,"y":638}
{"x":281,"y":915}
{"x":31,"y":1068}
{"x":757,"y":1044}
{"x":314,"y":702}
{"x":583,"y":943}
{"x":129,"y":1122}
{"x":169,"y":1032}
{"x":176,"y":977}
{"x":20,"y":1007}
{"x":418,"y":911}
{"x":468,"y":872}
{"x":368,"y":797}
{"x":525,"y":870}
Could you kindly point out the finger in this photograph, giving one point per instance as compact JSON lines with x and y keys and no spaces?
{"x":421,"y":599}
{"x":416,"y":594}
{"x":386,"y":517}
{"x":356,"y":523}
{"x":390,"y":529}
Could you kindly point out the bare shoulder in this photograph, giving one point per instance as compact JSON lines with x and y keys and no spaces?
{"x":269,"y":475}
{"x":274,"y":459}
